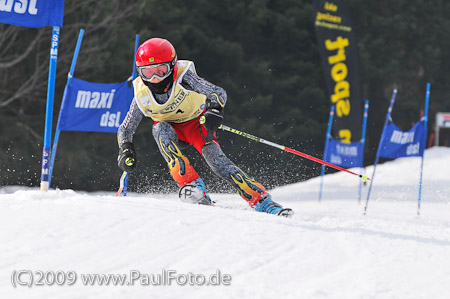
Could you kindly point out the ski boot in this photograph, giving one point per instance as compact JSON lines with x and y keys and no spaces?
{"x":267,"y":205}
{"x":196,"y":193}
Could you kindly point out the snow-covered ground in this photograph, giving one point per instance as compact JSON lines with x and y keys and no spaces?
{"x":328,"y":250}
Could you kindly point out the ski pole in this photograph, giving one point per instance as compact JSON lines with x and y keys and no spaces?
{"x":122,"y":180}
{"x":292,"y":151}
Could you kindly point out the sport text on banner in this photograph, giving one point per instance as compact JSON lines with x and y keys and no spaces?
{"x":94,"y":107}
{"x":32,"y":13}
{"x":345,"y":154}
{"x":397,"y":143}
{"x":340,"y":61}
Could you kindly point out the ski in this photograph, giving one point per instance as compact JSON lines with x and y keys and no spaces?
{"x":288,"y":213}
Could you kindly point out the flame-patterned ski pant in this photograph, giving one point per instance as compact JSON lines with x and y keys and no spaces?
{"x":170,"y":138}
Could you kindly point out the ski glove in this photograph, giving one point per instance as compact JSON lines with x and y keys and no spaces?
{"x":127,"y":157}
{"x":213,"y":116}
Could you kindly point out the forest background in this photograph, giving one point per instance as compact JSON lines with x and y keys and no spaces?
{"x":263,"y":52}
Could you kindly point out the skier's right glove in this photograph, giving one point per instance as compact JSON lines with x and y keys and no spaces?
{"x":127,"y":157}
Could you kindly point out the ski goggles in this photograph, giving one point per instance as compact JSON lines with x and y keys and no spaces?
{"x":149,"y":72}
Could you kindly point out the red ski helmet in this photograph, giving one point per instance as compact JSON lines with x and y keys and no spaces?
{"x":156,"y":57}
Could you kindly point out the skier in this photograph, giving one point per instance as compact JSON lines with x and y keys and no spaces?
{"x":186,"y":110}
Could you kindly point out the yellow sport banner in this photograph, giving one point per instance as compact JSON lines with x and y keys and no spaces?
{"x":340,"y":61}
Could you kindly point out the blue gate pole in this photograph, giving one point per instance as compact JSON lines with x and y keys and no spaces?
{"x":425,"y":122}
{"x":363,"y":142}
{"x":325,"y":151}
{"x":69,"y":78}
{"x":133,"y":76}
{"x":136,"y":46}
{"x":380,"y":144}
{"x":46,"y":151}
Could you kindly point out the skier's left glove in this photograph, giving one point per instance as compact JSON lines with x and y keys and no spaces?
{"x":127,"y":157}
{"x":213,"y":116}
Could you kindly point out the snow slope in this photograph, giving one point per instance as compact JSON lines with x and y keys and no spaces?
{"x":328,"y":250}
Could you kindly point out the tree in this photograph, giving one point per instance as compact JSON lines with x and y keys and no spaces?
{"x":263,"y":52}
{"x":24,"y":64}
